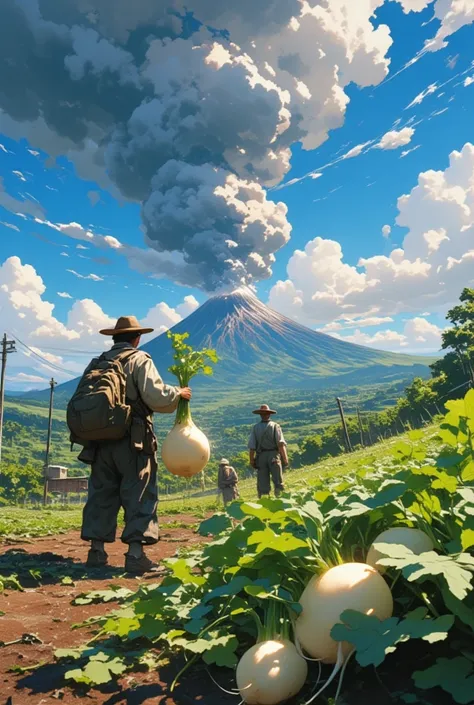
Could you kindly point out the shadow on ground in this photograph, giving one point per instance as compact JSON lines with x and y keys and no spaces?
{"x":28,"y":570}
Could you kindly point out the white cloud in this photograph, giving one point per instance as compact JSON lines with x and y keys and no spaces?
{"x":10,"y":225}
{"x":189,"y":305}
{"x":20,"y":175}
{"x":93,"y":277}
{"x":23,"y":377}
{"x":33,"y":152}
{"x":419,"y":335}
{"x":386,"y":231}
{"x":4,"y":149}
{"x":435,"y":263}
{"x":469,"y":81}
{"x":396,"y":138}
{"x":406,"y":152}
{"x":432,"y":88}
{"x":27,"y":315}
{"x":356,"y":151}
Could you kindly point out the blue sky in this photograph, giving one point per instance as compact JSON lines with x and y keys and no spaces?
{"x":349,"y":204}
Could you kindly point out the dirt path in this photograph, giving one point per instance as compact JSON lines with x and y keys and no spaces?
{"x":47,"y":612}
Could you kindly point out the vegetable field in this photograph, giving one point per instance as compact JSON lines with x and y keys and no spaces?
{"x":353,"y":587}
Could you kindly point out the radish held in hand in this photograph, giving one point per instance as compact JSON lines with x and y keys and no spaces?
{"x":185,"y":451}
{"x":270,"y":673}
{"x":414,"y":539}
{"x":351,"y":586}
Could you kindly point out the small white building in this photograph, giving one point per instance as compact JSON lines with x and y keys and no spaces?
{"x":57,"y":472}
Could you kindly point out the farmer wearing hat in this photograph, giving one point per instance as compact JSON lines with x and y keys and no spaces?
{"x":124,"y":471}
{"x":267,"y":451}
{"x":227,"y":480}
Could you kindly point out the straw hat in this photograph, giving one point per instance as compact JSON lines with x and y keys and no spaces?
{"x":224,"y":461}
{"x":264,"y":409}
{"x":126,"y":324}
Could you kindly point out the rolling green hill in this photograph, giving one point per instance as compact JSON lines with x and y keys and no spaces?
{"x":260,"y":349}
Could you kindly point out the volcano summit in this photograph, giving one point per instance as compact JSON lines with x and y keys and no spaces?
{"x":260,"y":349}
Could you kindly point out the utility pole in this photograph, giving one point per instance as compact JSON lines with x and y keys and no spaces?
{"x":8,"y":346}
{"x":344,"y":426}
{"x":361,"y":429}
{"x":52,"y":384}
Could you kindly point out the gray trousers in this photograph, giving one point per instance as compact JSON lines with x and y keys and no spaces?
{"x":269,"y":467}
{"x":115,"y":483}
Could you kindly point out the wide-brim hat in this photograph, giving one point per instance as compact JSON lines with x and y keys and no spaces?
{"x":264,"y":409}
{"x":126,"y":324}
{"x":223,"y":461}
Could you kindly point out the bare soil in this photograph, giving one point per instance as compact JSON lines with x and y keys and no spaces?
{"x":47,"y":612}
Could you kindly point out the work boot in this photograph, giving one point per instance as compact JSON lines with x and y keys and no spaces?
{"x":141,"y":565}
{"x":96,"y":559}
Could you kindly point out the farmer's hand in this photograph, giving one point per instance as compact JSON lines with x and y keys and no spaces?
{"x":185,"y":393}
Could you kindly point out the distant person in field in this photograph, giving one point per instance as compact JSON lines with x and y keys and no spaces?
{"x":268,"y":452}
{"x":124,"y":469}
{"x":227,"y":480}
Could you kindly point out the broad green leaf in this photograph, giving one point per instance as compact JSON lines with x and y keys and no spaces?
{"x":467,"y":539}
{"x":222,"y":653}
{"x":458,"y":608}
{"x":445,"y":482}
{"x":427,"y":565}
{"x":99,"y":670}
{"x":269,"y":539}
{"x":181,"y":568}
{"x":455,"y":676}
{"x":467,"y":474}
{"x":374,"y":639}
{"x":215,"y":525}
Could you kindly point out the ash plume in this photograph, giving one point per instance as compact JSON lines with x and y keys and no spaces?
{"x":190,"y":109}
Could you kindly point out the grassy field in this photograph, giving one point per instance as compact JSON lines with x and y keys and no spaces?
{"x":36,"y":522}
{"x":225,"y":419}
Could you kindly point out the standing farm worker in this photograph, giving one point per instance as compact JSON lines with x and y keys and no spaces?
{"x":227,"y":480}
{"x":267,"y":451}
{"x":111,"y":415}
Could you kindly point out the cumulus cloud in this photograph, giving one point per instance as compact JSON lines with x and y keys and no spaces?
{"x":386,"y":231}
{"x":468,"y":81}
{"x":434,"y":264}
{"x":194,"y":129}
{"x":28,"y":315}
{"x":419,"y":335}
{"x":396,"y":138}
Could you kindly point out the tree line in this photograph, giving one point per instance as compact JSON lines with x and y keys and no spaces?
{"x":423,"y":400}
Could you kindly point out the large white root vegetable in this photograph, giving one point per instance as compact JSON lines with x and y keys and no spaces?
{"x":185,"y":450}
{"x":271,"y":672}
{"x":351,"y":586}
{"x":414,"y":539}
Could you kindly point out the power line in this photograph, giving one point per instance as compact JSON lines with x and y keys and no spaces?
{"x":51,"y":365}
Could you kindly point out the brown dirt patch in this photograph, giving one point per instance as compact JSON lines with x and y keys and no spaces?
{"x":47,"y":612}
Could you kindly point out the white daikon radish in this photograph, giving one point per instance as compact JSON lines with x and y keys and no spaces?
{"x":414,"y":539}
{"x":271,"y":672}
{"x":185,"y":450}
{"x":351,"y":586}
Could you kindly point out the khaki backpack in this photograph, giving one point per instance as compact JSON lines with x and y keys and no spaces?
{"x":98,"y":409}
